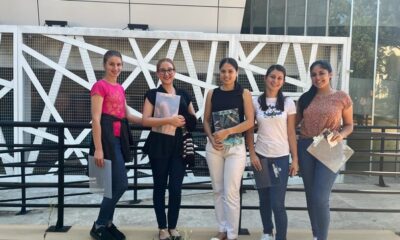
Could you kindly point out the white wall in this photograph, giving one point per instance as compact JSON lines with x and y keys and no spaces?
{"x":18,"y":12}
{"x":222,"y":16}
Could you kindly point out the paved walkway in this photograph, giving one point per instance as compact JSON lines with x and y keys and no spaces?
{"x":36,"y":232}
{"x":200,"y":224}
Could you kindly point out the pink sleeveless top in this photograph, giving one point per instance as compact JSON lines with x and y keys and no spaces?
{"x":113,"y":101}
{"x":324,"y":112}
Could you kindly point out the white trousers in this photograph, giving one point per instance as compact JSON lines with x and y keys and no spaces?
{"x":226,"y":169}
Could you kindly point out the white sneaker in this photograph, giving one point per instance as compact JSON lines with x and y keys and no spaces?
{"x":267,"y":237}
{"x":315,"y":238}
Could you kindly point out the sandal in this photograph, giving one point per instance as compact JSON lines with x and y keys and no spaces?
{"x":220,"y":236}
{"x":163,"y":234}
{"x":175,"y":235}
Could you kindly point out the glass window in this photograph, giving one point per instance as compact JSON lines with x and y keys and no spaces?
{"x":316,"y":17}
{"x":295,"y":17}
{"x":339,"y":17}
{"x":259,"y":10}
{"x":388,"y":65}
{"x":276,"y":17}
{"x":246,"y":17}
{"x":362,"y":59}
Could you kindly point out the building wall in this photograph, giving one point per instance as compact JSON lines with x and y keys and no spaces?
{"x":213,"y":16}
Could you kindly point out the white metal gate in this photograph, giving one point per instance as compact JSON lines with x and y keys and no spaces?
{"x":45,"y":69}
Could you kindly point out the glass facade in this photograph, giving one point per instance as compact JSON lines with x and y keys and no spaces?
{"x":362,"y":59}
{"x":339,"y":18}
{"x":388,"y":64}
{"x":375,"y":32}
{"x":276,"y":20}
{"x":374,"y":28}
{"x":316,"y":17}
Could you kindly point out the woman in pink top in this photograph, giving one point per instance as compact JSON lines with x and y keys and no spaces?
{"x":319,"y":108}
{"x":111,"y":139}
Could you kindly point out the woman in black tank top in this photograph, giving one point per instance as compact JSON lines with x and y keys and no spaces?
{"x":228,"y":114}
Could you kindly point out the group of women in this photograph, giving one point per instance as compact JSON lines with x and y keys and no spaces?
{"x":230,"y":117}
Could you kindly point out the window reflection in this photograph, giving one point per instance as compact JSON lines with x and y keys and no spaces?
{"x":260,"y":19}
{"x":276,"y":17}
{"x":316,"y":17}
{"x":295,"y":17}
{"x":388,"y":65}
{"x":339,"y":17}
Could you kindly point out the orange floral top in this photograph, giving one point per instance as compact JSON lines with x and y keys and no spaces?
{"x":324,"y":111}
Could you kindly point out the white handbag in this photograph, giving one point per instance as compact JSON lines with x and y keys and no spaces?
{"x":332,"y":154}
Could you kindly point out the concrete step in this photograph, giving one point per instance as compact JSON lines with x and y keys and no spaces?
{"x":37,"y":232}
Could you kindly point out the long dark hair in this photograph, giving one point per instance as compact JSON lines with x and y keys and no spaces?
{"x":234,"y":64}
{"x":280,"y":102}
{"x":308,"y":96}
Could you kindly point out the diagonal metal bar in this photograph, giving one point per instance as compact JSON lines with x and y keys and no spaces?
{"x":141,"y":63}
{"x":53,"y":93}
{"x":128,"y":81}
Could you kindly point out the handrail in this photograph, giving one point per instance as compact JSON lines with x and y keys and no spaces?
{"x":60,"y":147}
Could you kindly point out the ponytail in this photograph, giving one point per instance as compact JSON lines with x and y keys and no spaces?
{"x":308,"y":96}
{"x":306,"y":99}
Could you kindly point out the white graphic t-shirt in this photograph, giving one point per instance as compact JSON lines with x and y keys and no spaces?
{"x":272,"y":137}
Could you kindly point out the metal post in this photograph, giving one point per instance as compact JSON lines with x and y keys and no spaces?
{"x":59,"y":227}
{"x":381,"y":181}
{"x":242,"y":231}
{"x":60,"y":209}
{"x":135,"y":177}
{"x":23,"y":187}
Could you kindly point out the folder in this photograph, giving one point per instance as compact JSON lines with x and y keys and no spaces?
{"x":269,"y":176}
{"x":226,"y":119}
{"x":100,"y":180}
{"x":166,"y":105}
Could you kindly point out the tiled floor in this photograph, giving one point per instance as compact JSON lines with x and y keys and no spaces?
{"x":36,"y":232}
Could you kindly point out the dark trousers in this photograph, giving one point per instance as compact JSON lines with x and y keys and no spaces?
{"x":119,"y":185}
{"x":272,"y":199}
{"x":167,"y":171}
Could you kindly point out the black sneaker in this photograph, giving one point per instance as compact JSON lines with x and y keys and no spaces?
{"x":101,"y":233}
{"x":117,"y":234}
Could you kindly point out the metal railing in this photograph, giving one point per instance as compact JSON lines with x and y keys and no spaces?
{"x":62,"y":165}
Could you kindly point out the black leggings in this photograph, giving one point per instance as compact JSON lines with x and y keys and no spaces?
{"x":170,"y":170}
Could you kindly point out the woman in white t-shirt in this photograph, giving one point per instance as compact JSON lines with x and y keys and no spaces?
{"x":276,"y":138}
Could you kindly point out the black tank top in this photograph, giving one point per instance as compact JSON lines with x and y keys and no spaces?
{"x":225,"y":100}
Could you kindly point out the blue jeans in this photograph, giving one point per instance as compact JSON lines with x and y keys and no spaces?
{"x":167,"y":171}
{"x":272,"y":199}
{"x":318,"y":181}
{"x":119,"y":185}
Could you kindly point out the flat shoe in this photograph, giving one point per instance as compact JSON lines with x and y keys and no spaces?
{"x":175,"y":235}
{"x":219,"y":236}
{"x":161,"y":231}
